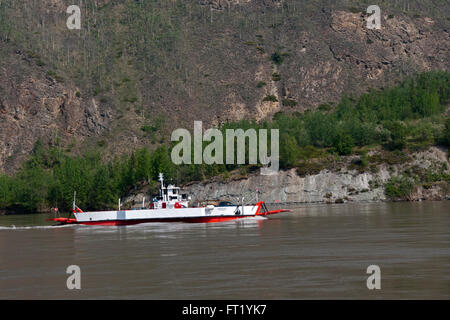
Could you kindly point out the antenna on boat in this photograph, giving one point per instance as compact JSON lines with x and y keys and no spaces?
{"x":162,"y":180}
{"x":162,"y":186}
{"x":74,"y":199}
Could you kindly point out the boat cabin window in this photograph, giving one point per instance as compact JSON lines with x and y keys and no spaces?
{"x":225,"y":204}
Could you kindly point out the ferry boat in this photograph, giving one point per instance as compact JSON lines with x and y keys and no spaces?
{"x":169,"y":206}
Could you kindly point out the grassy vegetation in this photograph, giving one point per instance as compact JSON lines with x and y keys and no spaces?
{"x":271,"y":98}
{"x":289,"y":102}
{"x":399,"y":187}
{"x":261,"y":84}
{"x":276,"y":77}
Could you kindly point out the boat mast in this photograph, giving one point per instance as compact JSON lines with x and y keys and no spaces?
{"x":162,"y":186}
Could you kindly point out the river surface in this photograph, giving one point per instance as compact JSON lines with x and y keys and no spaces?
{"x":314,"y":252}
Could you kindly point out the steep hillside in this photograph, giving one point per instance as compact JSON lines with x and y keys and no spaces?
{"x":138,"y":69}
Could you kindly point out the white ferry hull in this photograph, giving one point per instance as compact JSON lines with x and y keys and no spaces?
{"x":193,"y":215}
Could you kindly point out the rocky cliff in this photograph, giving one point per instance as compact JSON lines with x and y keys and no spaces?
{"x":34,"y":105}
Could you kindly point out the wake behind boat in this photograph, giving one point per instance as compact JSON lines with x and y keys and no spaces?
{"x":169,"y":206}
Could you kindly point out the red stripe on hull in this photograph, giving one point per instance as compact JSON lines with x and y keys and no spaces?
{"x":187,"y":220}
{"x":272,"y":212}
{"x":64,"y":220}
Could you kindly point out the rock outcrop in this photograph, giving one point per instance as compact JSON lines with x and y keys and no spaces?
{"x":34,"y":105}
{"x":289,"y":187}
{"x":326,"y":186}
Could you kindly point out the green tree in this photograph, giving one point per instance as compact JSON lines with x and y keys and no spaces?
{"x":103,"y":194}
{"x":161,"y":162}
{"x":446,"y":138}
{"x":143,"y":169}
{"x":289,"y":151}
{"x":397,"y":135}
{"x":31,"y":187}
{"x":6,"y":191}
{"x":277,"y":57}
{"x":343,"y":143}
